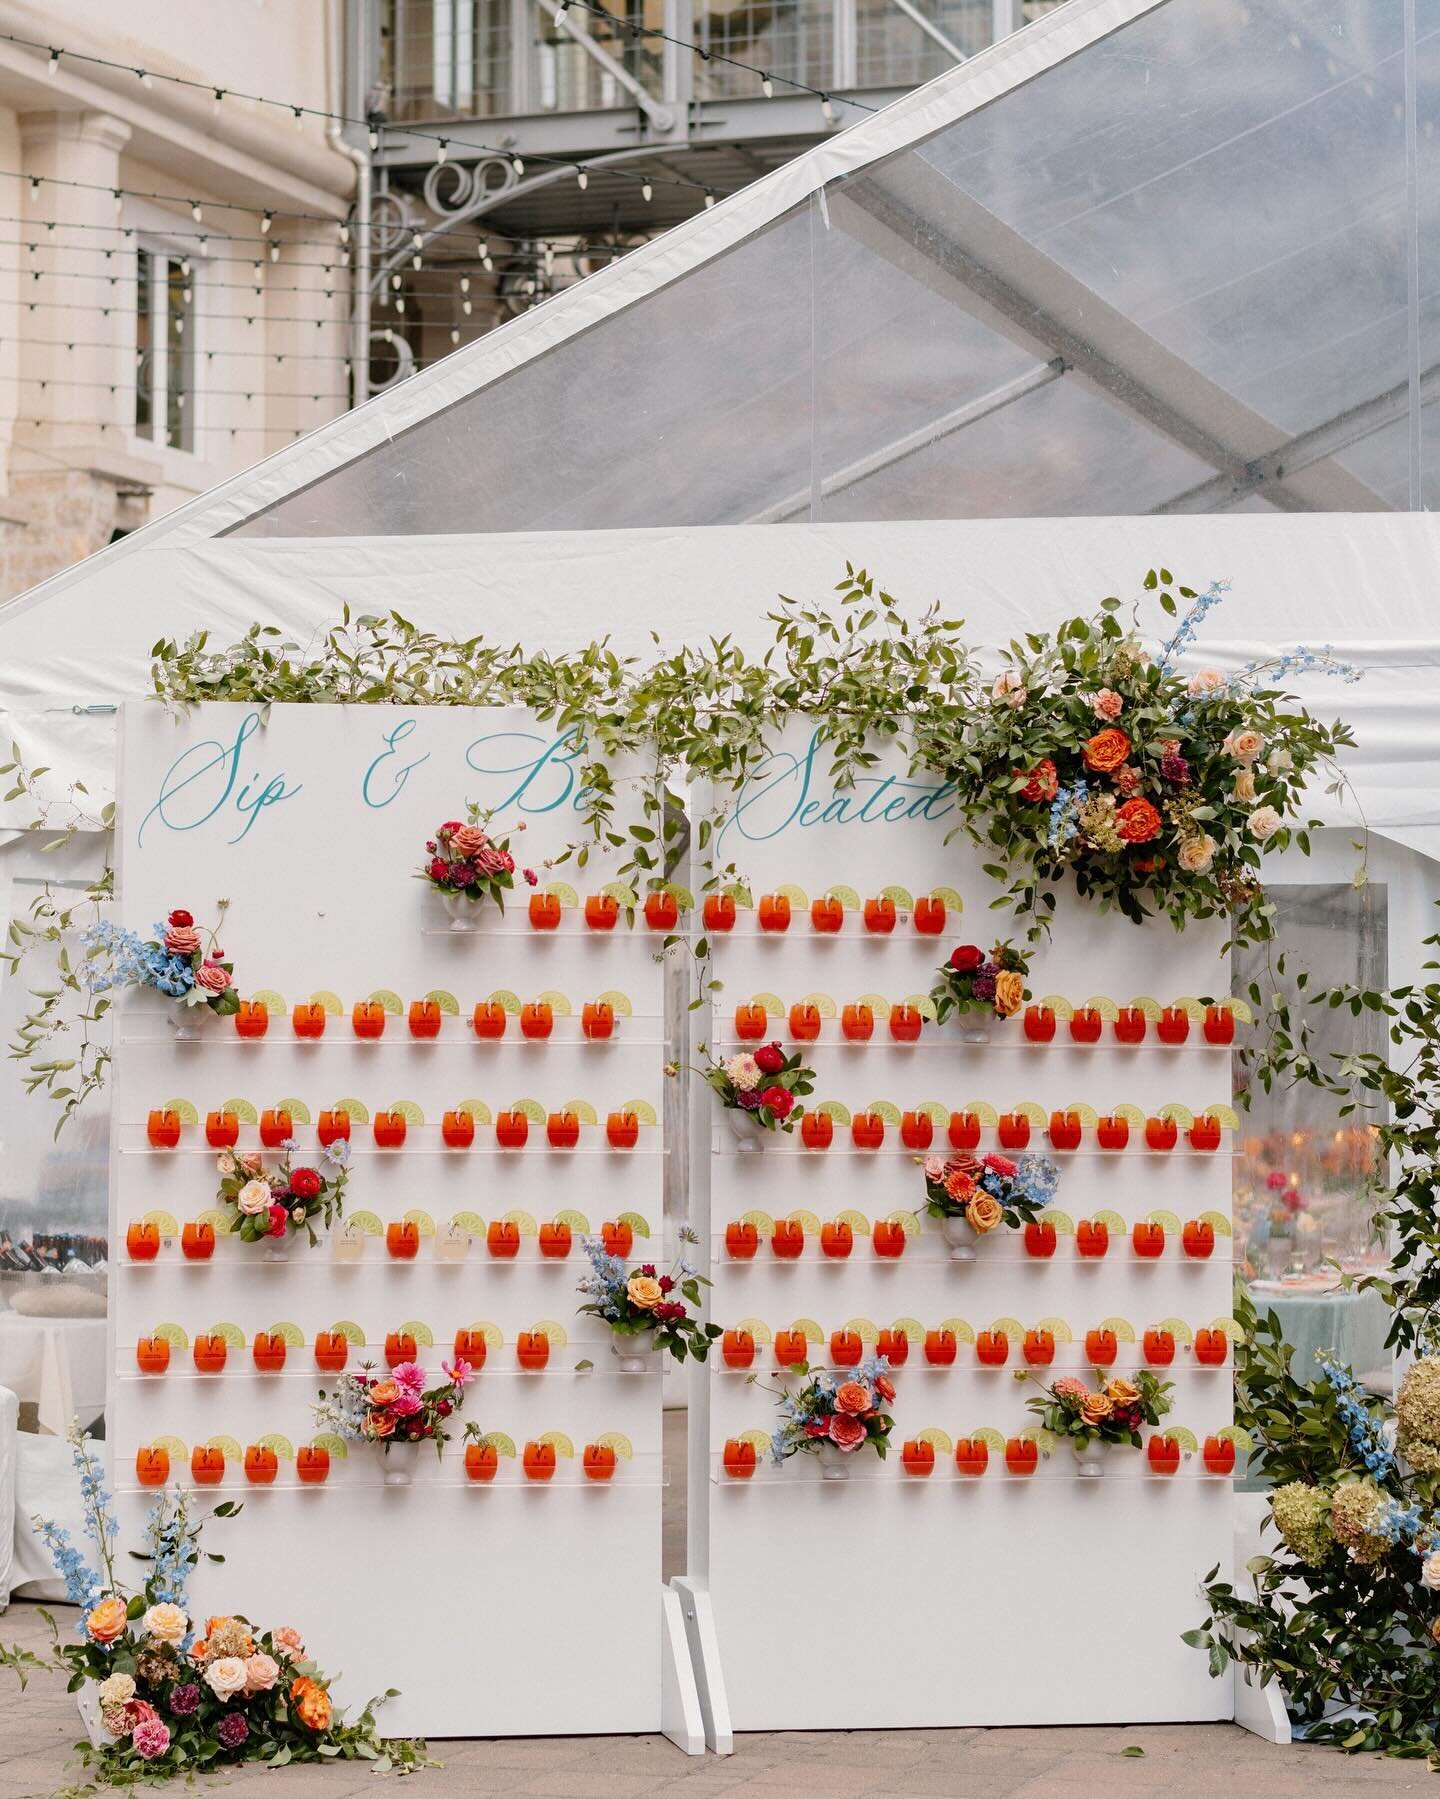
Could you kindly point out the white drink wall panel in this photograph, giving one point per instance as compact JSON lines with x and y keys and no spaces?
{"x":886,"y":1600}
{"x":508,"y":1607}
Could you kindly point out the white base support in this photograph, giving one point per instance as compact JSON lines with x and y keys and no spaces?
{"x":680,"y":1715}
{"x":1261,"y":1710}
{"x":694,"y":1598}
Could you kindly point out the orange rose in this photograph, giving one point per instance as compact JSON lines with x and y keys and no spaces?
{"x":384,"y":1392}
{"x":644,"y":1291}
{"x":983,"y":1213}
{"x":1095,"y":1408}
{"x":311,"y":1703}
{"x":851,"y":1398}
{"x":107,"y":1620}
{"x":1106,"y":750}
{"x":1041,"y":782}
{"x":1137,"y":821}
{"x":380,"y":1424}
{"x":1120,"y":1392}
{"x":1009,"y":991}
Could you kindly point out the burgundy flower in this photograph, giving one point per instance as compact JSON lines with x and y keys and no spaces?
{"x":232,"y":1730}
{"x":462,"y":874}
{"x":966,"y":958}
{"x":780,"y":1101}
{"x":983,"y":984}
{"x":1175,"y":768}
{"x":749,"y":1102}
{"x":531,"y":878}
{"x":769,"y":1058}
{"x":444,"y":1407}
{"x":666,"y":1283}
{"x":648,"y":1268}
{"x":185,"y":1700}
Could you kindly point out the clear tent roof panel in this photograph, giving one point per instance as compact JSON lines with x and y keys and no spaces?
{"x":1169,"y":270}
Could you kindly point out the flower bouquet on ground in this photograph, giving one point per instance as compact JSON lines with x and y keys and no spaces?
{"x":394,"y":1408}
{"x":647,"y":1312}
{"x":759,"y":1091}
{"x":991,"y":986}
{"x":1156,"y":790}
{"x":467,"y":864}
{"x":974,"y":1195}
{"x":182,"y":961}
{"x":835,"y":1418}
{"x":167,"y":1697}
{"x":270,"y":1203}
{"x":1110,"y":1412}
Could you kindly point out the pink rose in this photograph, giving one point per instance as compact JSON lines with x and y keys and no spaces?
{"x":846,"y":1433}
{"x":1001,"y":1165}
{"x":1107,"y":704}
{"x":289,"y":1639}
{"x":251,"y":1162}
{"x":469,"y":841}
{"x":182,"y":940}
{"x":491,"y":861}
{"x":261,"y":1672}
{"x":151,"y":1738}
{"x":212,"y":977}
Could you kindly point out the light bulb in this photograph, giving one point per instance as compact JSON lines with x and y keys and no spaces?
{"x":464,"y":284}
{"x":266,"y":223}
{"x":767,"y":87}
{"x":54,"y":68}
{"x":582,"y":179}
{"x":647,"y":193}
{"x":195,"y":212}
{"x":517,"y":165}
{"x":440,"y":150}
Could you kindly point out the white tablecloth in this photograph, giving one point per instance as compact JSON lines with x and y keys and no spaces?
{"x":56,"y":1364}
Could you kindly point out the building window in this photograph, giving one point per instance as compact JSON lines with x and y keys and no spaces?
{"x":164,"y":350}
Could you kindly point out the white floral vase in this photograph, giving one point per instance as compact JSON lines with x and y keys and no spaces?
{"x":835,"y":1463}
{"x":459,"y":910}
{"x":398,"y":1473}
{"x":959,"y":1239}
{"x":634,"y":1351}
{"x":188,"y":1022}
{"x":749,"y":1136}
{"x":974,"y":1028}
{"x":1090,"y":1460}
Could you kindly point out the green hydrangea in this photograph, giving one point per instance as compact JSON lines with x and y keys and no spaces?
{"x":1417,"y":1412}
{"x":1353,"y":1511}
{"x":1302,"y":1516}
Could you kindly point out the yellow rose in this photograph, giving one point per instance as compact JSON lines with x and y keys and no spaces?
{"x":1009,"y":991}
{"x":1245,"y":786}
{"x":644,"y":1291}
{"x":107,"y":1620}
{"x":983,"y":1213}
{"x":1095,"y":1408}
{"x":1120,"y":1392}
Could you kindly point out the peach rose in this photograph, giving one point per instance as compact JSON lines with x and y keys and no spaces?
{"x":311,"y":1703}
{"x":983,"y":1213}
{"x":182,"y":940}
{"x":379,"y":1425}
{"x":226,"y":1677}
{"x":644,"y":1291}
{"x":261,"y":1672}
{"x":289,"y":1639}
{"x":165,"y":1623}
{"x":1207,"y":682}
{"x":253,"y":1198}
{"x":1245,"y":746}
{"x":1095,"y":1408}
{"x":251,"y":1162}
{"x":1196,"y":855}
{"x":468,"y":840}
{"x":1245,"y":786}
{"x":851,"y":1398}
{"x":1106,"y":750}
{"x":1010,"y":689}
{"x":1107,"y":704}
{"x":1264,"y":822}
{"x":1120,"y":1392}
{"x":106,"y":1621}
{"x":846,"y":1433}
{"x":384,"y":1392}
{"x":1009,"y":991}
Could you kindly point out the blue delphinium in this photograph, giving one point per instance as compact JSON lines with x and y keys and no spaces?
{"x":129,"y":961}
{"x":1193,"y":619}
{"x":1364,"y":1433}
{"x":82,"y":1583}
{"x":605,"y":1285}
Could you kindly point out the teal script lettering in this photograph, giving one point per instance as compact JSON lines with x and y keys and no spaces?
{"x":206,"y":777}
{"x":545,"y":775}
{"x":781,"y":793}
{"x":374,"y":779}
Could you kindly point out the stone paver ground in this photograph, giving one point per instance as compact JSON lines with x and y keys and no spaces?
{"x":1187,"y":1760}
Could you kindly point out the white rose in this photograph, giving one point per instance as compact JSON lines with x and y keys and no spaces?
{"x":1010,"y":688}
{"x":226,"y":1677}
{"x":165,"y":1623}
{"x":1208,"y":681}
{"x":119,"y":1689}
{"x":744,"y":1072}
{"x":1264,"y":822}
{"x":1280,"y":762}
{"x":225,"y":1162}
{"x":254,"y":1198}
{"x":1196,"y":854}
{"x":1429,"y":1573}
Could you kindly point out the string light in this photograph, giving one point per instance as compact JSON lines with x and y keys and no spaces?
{"x":767,"y":87}
{"x":647,"y":193}
{"x":195,"y":212}
{"x":54,"y":69}
{"x":582,"y":180}
{"x":266,"y":223}
{"x":440,"y":150}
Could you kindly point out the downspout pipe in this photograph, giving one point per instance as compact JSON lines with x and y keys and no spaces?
{"x":361,"y":265}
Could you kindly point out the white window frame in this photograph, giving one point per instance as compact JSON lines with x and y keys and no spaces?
{"x":162,"y":254}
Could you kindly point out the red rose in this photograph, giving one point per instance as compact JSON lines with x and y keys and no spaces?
{"x":1137,"y":821}
{"x":769,"y":1058}
{"x":304,"y":1183}
{"x":180,"y":919}
{"x":780,"y":1102}
{"x":439,"y":870}
{"x":966,"y":958}
{"x":279,"y":1221}
{"x":817,"y":1427}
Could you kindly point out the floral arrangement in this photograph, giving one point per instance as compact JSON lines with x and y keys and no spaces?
{"x":1096,"y":758}
{"x":632,"y":1304}
{"x":988,"y":1191}
{"x":765,"y":1083}
{"x":466,"y":861}
{"x":181,"y":961}
{"x":971,"y":981}
{"x":366,"y":1407}
{"x":844,"y":1415}
{"x":273,"y":1202}
{"x":1110,"y":1412}
{"x":172,"y":1697}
